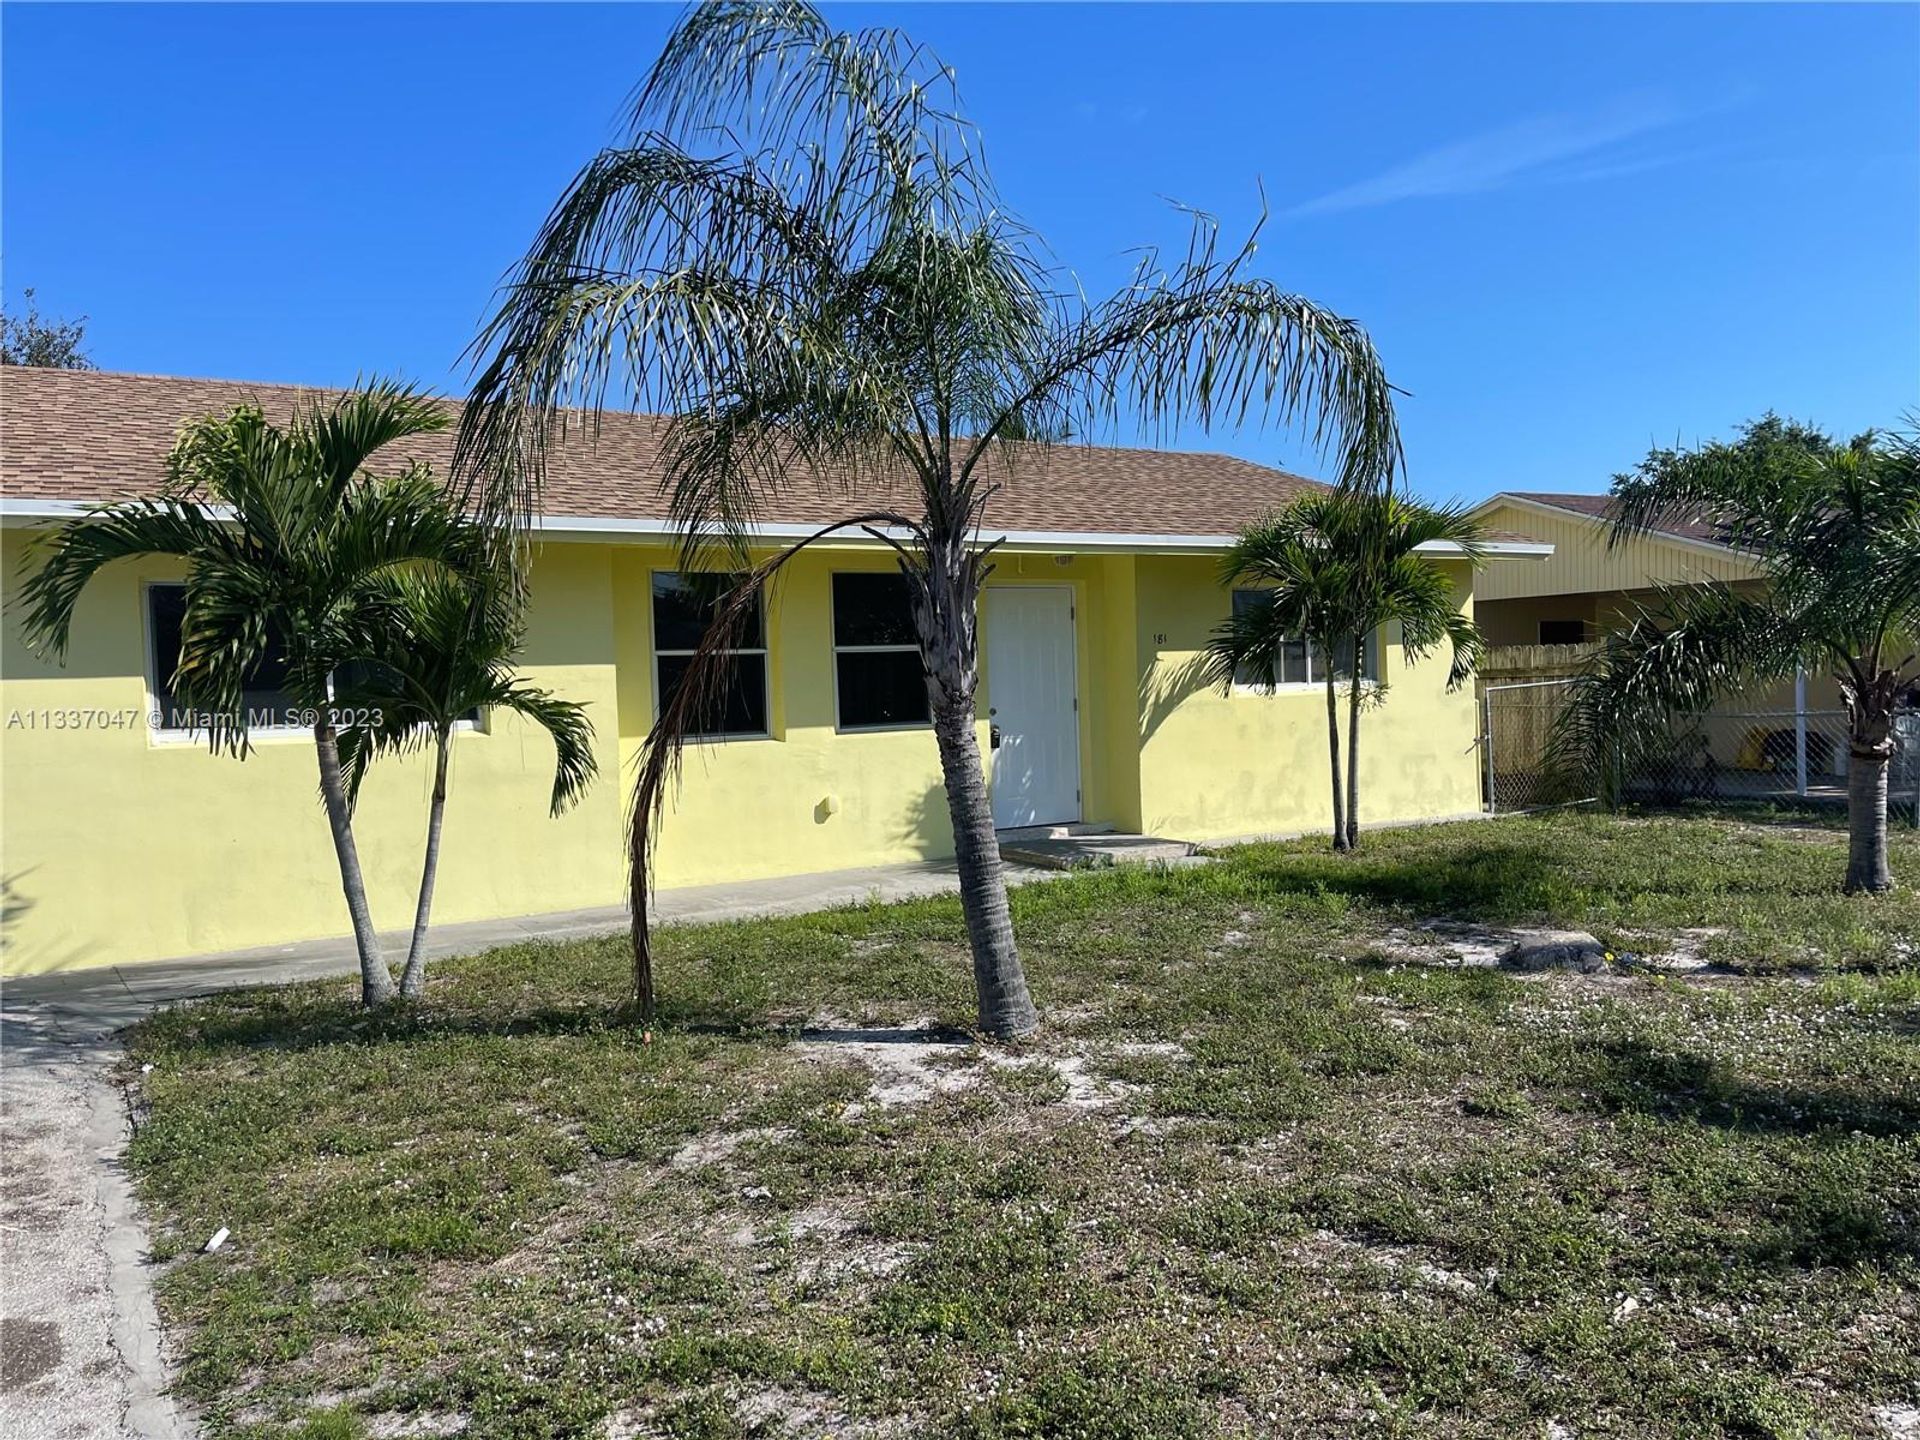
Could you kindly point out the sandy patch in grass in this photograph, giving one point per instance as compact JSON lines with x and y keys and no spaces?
{"x":392,"y":1425}
{"x":712,"y":1149}
{"x":912,"y":1063}
{"x":1901,"y":1422}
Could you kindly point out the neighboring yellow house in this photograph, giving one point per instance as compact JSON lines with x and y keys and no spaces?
{"x":1587,"y":586}
{"x":121,"y":841}
{"x":1545,"y":618}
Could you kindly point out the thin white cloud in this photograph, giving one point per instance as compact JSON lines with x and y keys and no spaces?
{"x":1533,"y":149}
{"x":1102,"y":111}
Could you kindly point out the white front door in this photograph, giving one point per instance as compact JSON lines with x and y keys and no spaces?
{"x":1032,"y":680}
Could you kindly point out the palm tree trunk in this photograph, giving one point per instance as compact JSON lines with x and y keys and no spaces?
{"x":376,"y":982}
{"x":1867,"y":867}
{"x":1353,"y":751}
{"x":1870,"y":704}
{"x":1333,"y":754}
{"x":413,"y":978}
{"x":1006,"y":1007}
{"x":946,"y":596}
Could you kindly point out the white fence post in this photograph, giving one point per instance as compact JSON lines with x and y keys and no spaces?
{"x":1486,"y":742}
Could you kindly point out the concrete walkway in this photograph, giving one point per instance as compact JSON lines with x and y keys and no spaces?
{"x":79,"y":1340}
{"x":84,"y":1006}
{"x":80,"y":1355}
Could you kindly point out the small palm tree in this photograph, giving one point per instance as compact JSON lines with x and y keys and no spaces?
{"x":1327,"y":573}
{"x":1837,"y":530}
{"x":443,"y":652}
{"x":286,"y":536}
{"x":799,"y":256}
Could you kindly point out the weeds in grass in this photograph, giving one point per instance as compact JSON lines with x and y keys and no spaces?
{"x":1271,"y":1184}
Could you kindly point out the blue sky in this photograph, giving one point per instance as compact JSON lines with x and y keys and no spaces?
{"x":1574,"y":231}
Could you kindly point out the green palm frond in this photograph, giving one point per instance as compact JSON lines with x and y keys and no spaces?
{"x":66,"y":559}
{"x":799,"y":255}
{"x":1766,"y":480}
{"x":1201,"y":339}
{"x":436,"y":645}
{"x":286,"y":538}
{"x":337,"y":439}
{"x":1341,"y":564}
{"x":1694,"y":645}
{"x":1835,"y":529}
{"x":566,"y":724}
{"x":384,"y":716}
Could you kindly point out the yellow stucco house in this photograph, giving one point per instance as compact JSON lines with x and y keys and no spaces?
{"x":123,"y":839}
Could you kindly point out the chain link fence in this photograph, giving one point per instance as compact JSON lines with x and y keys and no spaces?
{"x":1516,"y":726}
{"x":1732,"y":754}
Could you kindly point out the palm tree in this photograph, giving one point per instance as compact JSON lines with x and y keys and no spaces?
{"x":1322,"y":577}
{"x":442,"y":652}
{"x":1837,"y":530}
{"x":286,"y":535}
{"x":799,"y":256}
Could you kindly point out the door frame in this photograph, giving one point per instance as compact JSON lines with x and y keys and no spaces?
{"x":1072,"y":592}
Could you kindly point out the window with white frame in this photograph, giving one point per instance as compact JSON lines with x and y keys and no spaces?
{"x":879,"y":680}
{"x":683,"y":608}
{"x":266,"y":701}
{"x":1300,"y":661}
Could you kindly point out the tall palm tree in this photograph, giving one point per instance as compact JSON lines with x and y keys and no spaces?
{"x":799,"y":256}
{"x":442,"y":652}
{"x":286,"y":535}
{"x":1325,"y":575}
{"x":1836,"y":528}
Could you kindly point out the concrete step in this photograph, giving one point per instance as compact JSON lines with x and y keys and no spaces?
{"x":1069,"y":830}
{"x":1097,"y":851}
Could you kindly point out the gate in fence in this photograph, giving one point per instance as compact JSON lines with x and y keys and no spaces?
{"x":1733,"y":754}
{"x":1516,"y":724}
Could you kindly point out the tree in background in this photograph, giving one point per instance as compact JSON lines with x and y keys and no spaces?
{"x":441,"y":651}
{"x":297,"y":572}
{"x":800,"y":257}
{"x":29,"y":339}
{"x":1317,"y":583}
{"x":1837,"y":530}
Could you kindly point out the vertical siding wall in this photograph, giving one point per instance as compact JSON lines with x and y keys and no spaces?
{"x":1583,"y":562}
{"x":119,"y":847}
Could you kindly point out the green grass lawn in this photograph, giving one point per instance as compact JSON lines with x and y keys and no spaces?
{"x":1258,"y":1176}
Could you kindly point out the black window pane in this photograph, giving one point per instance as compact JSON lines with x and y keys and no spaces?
{"x":872,"y":610}
{"x":1563,"y":632}
{"x":1294,"y":669}
{"x":740,"y":708}
{"x":166,"y":610}
{"x":1343,"y":661}
{"x":881,"y":687}
{"x":683,"y":607}
{"x":264,"y":694}
{"x":1254,"y":673}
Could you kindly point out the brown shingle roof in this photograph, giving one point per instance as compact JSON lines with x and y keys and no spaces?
{"x":1600,"y":507}
{"x":73,"y":435}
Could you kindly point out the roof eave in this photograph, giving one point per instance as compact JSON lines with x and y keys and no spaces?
{"x":1562,"y":512}
{"x":15,"y":511}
